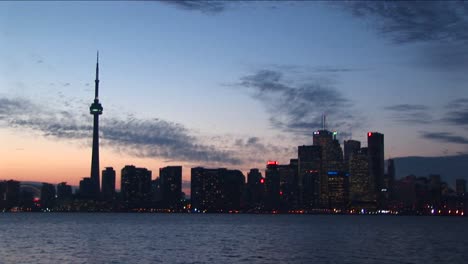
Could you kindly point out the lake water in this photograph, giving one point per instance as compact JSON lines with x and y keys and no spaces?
{"x":200,"y":238}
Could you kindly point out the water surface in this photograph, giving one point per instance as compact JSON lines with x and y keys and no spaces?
{"x":204,"y":238}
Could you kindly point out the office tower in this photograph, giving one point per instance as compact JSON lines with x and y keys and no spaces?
{"x":460,"y":186}
{"x":272,"y":184}
{"x":289,"y":185}
{"x":47,"y":196}
{"x":389,"y":181}
{"x":350,"y":147}
{"x":171,"y":186}
{"x":64,"y":192}
{"x":9,"y":194}
{"x":205,"y":185}
{"x":156,"y":194}
{"x":375,"y":151}
{"x":435,"y":190}
{"x":136,"y":186}
{"x":359,"y":179}
{"x":309,"y":169}
{"x":332,"y":160}
{"x":255,"y":189}
{"x":216,"y":190}
{"x":233,"y":182}
{"x":86,"y":189}
{"x":338,"y":186}
{"x":108,"y":184}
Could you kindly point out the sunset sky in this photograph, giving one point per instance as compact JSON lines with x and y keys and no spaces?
{"x":225,"y":84}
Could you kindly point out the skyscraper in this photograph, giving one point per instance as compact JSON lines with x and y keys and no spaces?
{"x":136,"y":186}
{"x":171,"y":186}
{"x":350,"y":147}
{"x":108,"y":184}
{"x":272,"y":180}
{"x":216,"y":190}
{"x":255,"y":188}
{"x":332,"y":160}
{"x":309,"y":168}
{"x":360,"y":189}
{"x":375,"y":151}
{"x":96,"y":110}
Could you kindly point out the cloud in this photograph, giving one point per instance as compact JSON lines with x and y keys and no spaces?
{"x":458,"y":112}
{"x":150,"y":138}
{"x":410,"y":113}
{"x":445,"y":137}
{"x":297,"y":106}
{"x":439,"y":25}
{"x":406,"y":107}
{"x":416,"y":21}
{"x":204,"y":6}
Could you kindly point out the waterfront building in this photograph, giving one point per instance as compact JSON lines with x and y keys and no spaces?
{"x":135,"y":186}
{"x":216,"y":190}
{"x":332,"y":160}
{"x":48,"y":196}
{"x":309,"y":168}
{"x":171,"y":186}
{"x":108,"y":184}
{"x":375,"y":152}
{"x":255,"y":189}
{"x":350,"y":147}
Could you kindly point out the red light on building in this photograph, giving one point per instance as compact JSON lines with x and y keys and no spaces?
{"x":272,"y":162}
{"x":36,"y":200}
{"x":369,"y":134}
{"x":262,"y":181}
{"x":281,"y":193}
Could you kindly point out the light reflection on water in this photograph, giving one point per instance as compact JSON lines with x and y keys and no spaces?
{"x":189,"y":238}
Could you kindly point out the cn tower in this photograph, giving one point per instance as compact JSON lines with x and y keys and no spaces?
{"x":96,"y":110}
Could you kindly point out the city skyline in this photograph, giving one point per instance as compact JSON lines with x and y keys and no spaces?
{"x":180,"y":105}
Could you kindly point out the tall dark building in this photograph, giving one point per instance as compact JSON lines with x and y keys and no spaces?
{"x":64,"y":191}
{"x":9,"y":194}
{"x":171,"y":186}
{"x":96,"y":110}
{"x":375,"y":152}
{"x":338,"y":185}
{"x":206,"y":190}
{"x":360,"y":188}
{"x":255,"y":189}
{"x":332,"y":160}
{"x":87,"y":189}
{"x":289,"y":185}
{"x":350,"y":147}
{"x":216,"y":190}
{"x":460,"y":186}
{"x":48,"y":196}
{"x":108,"y":184}
{"x":309,"y":168}
{"x":272,"y":182}
{"x":136,"y":186}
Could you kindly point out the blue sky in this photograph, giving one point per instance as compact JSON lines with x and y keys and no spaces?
{"x":237,"y":82}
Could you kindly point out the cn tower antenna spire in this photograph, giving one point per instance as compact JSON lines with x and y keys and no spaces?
{"x":96,"y":92}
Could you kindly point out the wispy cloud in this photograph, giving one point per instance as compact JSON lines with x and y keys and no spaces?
{"x":297,"y":106}
{"x":441,"y":25}
{"x":445,"y":137}
{"x":410,"y":113}
{"x":458,"y":112}
{"x":205,"y":6}
{"x":415,"y":21}
{"x":139,"y":137}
